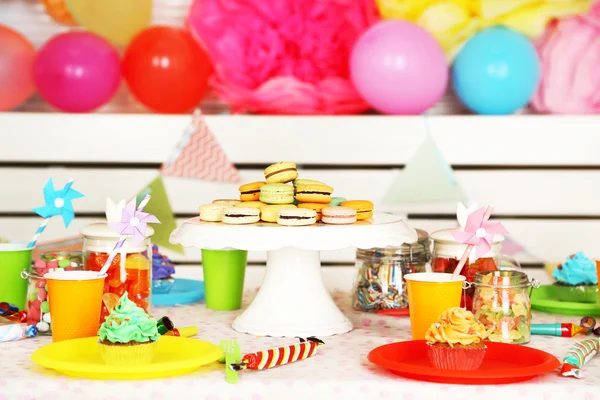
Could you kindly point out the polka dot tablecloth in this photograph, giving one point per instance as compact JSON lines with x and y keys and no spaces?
{"x":340,"y":370}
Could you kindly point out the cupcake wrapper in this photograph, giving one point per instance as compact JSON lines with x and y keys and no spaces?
{"x":454,"y":358}
{"x":577,"y":294}
{"x":137,"y":354}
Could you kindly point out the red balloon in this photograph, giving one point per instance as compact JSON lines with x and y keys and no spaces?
{"x":166,"y":69}
{"x":17,"y":55}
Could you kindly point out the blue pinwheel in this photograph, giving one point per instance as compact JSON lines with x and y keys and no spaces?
{"x":58,"y":202}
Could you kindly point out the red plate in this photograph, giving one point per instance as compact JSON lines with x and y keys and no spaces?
{"x":503,"y":363}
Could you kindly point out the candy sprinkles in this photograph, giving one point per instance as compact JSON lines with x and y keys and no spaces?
{"x":280,"y":356}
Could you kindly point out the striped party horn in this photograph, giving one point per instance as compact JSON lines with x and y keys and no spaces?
{"x":280,"y":356}
{"x":578,"y":356}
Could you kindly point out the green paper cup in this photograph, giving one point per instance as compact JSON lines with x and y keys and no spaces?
{"x":14,"y":259}
{"x":224,"y":272}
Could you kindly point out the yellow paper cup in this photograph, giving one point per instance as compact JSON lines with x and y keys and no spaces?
{"x":75,"y":302}
{"x":430,"y":294}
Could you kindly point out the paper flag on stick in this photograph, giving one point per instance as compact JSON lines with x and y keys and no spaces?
{"x":426,"y":178}
{"x":161,"y":208}
{"x":199,"y":156}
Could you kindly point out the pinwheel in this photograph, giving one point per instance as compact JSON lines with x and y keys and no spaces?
{"x":477,"y":232}
{"x":58,"y":202}
{"x":133,"y":224}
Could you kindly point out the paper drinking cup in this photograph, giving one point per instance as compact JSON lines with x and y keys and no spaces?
{"x":14,"y":259}
{"x":224,"y":273}
{"x":75,"y":302}
{"x":430,"y":294}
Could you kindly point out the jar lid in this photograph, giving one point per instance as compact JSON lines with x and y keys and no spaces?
{"x":444,"y":236}
{"x":506,"y":278}
{"x":420,"y":247}
{"x":101,"y":230}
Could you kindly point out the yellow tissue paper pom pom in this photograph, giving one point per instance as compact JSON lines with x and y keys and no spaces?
{"x":453,"y":22}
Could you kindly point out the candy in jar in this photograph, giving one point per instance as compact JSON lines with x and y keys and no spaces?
{"x":131,"y":269}
{"x":38,"y":305}
{"x":502,"y":304}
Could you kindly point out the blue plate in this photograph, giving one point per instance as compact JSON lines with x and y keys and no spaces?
{"x":183,"y":291}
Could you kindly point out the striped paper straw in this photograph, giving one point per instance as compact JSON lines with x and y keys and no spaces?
{"x":122,"y":239}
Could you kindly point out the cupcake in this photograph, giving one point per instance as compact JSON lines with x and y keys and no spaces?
{"x":162,"y":271}
{"x":576,"y":280}
{"x":455,"y":341}
{"x":128,"y":336}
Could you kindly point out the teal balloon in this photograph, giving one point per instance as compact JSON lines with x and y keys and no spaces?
{"x":496,"y":72}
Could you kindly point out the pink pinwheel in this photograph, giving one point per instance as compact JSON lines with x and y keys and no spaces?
{"x":479,"y":232}
{"x":134,"y":222}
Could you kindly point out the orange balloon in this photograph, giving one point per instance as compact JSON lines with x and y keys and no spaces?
{"x":58,"y":10}
{"x":17,"y":55}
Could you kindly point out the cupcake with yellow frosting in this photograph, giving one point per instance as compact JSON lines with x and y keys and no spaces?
{"x":128,"y":336}
{"x":455,"y":341}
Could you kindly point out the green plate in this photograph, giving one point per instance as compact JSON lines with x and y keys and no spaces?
{"x":542,"y":300}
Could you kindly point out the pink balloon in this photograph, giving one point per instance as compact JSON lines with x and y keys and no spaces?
{"x":399,"y":68}
{"x":16,"y":68}
{"x":77,"y":71}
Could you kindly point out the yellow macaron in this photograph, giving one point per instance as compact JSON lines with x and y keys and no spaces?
{"x":364,"y":208}
{"x":314,"y":193}
{"x":253,"y":204}
{"x":281,"y":172}
{"x":270,"y":213}
{"x":250,"y":191}
{"x":314,"y":206}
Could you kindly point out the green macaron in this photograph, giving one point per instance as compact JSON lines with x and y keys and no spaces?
{"x":277,"y":193}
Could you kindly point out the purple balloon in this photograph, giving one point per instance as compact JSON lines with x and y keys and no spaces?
{"x":77,"y":71}
{"x":399,"y":68}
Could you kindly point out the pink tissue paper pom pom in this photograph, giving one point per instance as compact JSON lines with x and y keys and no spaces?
{"x":569,"y":53}
{"x":283,"y":56}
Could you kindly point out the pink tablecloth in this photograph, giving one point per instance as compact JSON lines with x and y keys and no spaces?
{"x":340,"y":370}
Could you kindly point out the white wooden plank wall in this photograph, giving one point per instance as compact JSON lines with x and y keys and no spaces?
{"x":541,"y":172}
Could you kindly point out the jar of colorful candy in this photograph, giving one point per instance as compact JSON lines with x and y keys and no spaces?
{"x":501,"y":302}
{"x":379,"y":281}
{"x":447,"y":252}
{"x":130,"y":271}
{"x":38,"y":307}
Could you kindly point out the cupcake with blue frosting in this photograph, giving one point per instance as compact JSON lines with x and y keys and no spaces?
{"x":576,"y":280}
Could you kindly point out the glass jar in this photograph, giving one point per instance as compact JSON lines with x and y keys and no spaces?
{"x":131,"y":269}
{"x":501,"y":302}
{"x":379,"y":280}
{"x":447,"y":252}
{"x":38,"y":306}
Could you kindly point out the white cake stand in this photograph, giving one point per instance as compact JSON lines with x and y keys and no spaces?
{"x":293,"y":300}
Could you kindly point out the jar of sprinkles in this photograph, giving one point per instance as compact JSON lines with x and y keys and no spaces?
{"x":379,"y":280}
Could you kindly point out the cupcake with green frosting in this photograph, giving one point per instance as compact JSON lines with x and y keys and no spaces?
{"x":576,"y":280}
{"x":128,"y":336}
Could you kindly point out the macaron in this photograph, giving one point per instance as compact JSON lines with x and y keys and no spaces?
{"x":212,"y":212}
{"x":314,"y":206}
{"x":314,"y":193}
{"x":231,"y":202}
{"x":336,"y":201}
{"x":298,"y":182}
{"x":241,"y":215}
{"x":253,"y":204}
{"x":296,"y":217}
{"x":250,"y":191}
{"x":281,"y":172}
{"x":338,"y":215}
{"x":364,"y":208}
{"x":277,"y":193}
{"x":271,"y":213}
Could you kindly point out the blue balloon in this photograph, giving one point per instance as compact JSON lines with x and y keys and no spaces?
{"x":496,"y":72}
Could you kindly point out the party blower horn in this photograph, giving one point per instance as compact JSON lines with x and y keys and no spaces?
{"x":58,"y":202}
{"x":477,"y":232}
{"x":133,"y":224}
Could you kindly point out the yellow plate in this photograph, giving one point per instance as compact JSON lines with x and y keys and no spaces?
{"x":81,"y":358}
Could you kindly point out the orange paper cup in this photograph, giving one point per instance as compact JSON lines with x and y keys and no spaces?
{"x":75,"y":301}
{"x":430,"y":294}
